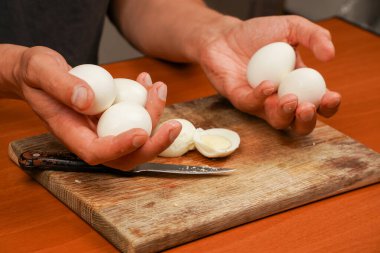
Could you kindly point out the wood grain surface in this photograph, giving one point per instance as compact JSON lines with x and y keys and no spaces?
{"x":275,"y":172}
{"x":33,"y":220}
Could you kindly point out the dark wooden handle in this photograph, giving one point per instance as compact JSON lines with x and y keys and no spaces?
{"x":61,"y":161}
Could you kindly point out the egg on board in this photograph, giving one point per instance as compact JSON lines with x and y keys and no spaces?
{"x":128,"y":90}
{"x":216,"y":142}
{"x":306,"y":83}
{"x":122,"y":117}
{"x":271,"y":62}
{"x":184,"y":141}
{"x":101,"y":83}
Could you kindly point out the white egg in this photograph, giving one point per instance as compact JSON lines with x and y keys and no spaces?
{"x":102,"y":84}
{"x":306,"y":83}
{"x":216,"y":142}
{"x":271,"y":62}
{"x":122,"y":117}
{"x":184,"y":141}
{"x":128,"y":90}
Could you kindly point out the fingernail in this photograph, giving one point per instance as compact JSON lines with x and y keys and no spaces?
{"x":138,"y":141}
{"x":148,"y":80}
{"x":175,"y":124}
{"x":162,"y":92}
{"x":290,"y":107}
{"x":333,"y":104}
{"x":307,"y":115}
{"x":330,"y":44}
{"x":268,"y":91}
{"x":79,"y":97}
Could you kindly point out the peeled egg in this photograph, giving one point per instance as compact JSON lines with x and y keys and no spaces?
{"x":128,"y":90}
{"x":306,"y":83}
{"x":184,"y":141}
{"x":102,"y":84}
{"x":271,"y":62}
{"x":122,"y":117}
{"x":216,"y":142}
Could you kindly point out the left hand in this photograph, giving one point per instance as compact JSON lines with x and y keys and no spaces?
{"x":225,"y":55}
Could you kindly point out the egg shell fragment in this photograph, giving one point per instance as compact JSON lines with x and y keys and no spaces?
{"x":216,"y":142}
{"x":184,"y":141}
{"x":271,"y":62}
{"x":122,"y":117}
{"x":128,"y":90}
{"x":101,"y":83}
{"x":306,"y":83}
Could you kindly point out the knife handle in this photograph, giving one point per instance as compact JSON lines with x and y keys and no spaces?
{"x":60,"y":161}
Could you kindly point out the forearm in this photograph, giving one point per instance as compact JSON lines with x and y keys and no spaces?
{"x":10,"y":55}
{"x":169,"y":29}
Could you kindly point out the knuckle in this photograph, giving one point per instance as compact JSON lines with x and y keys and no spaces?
{"x":31,"y":63}
{"x":296,"y":19}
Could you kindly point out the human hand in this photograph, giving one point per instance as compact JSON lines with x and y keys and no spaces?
{"x":224,"y":57}
{"x":58,"y":98}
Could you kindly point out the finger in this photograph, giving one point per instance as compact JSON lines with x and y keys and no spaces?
{"x":281,"y":111}
{"x":329,"y":104}
{"x":156,"y":101}
{"x":84,"y":142}
{"x":251,"y":100}
{"x":97,"y":150}
{"x":42,"y":70}
{"x":305,"y":120}
{"x":76,"y":131}
{"x":312,"y":36}
{"x":160,"y":141}
{"x":145,"y":79}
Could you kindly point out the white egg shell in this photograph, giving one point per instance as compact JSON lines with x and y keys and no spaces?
{"x":184,"y":141}
{"x":122,"y":117}
{"x":102,"y":84}
{"x":216,"y":142}
{"x":271,"y":62}
{"x":306,"y":83}
{"x":128,"y":90}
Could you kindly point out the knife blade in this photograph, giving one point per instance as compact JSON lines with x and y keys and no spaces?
{"x":66,"y":161}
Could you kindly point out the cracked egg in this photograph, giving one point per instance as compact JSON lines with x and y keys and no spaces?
{"x":184,"y":141}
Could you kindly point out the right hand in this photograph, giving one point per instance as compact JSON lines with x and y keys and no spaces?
{"x":225,"y":55}
{"x":58,"y":98}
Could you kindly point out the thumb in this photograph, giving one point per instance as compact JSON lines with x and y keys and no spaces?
{"x":45,"y":69}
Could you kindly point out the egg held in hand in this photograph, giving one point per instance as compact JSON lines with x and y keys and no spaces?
{"x":306,"y":83}
{"x":128,"y":90}
{"x":101,"y":83}
{"x":122,"y":117}
{"x":271,"y":62}
{"x":184,"y":141}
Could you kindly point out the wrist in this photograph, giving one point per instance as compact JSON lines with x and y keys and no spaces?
{"x":217,"y":25}
{"x":9,"y":65}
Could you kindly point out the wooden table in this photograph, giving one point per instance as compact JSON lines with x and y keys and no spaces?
{"x":31,"y":219}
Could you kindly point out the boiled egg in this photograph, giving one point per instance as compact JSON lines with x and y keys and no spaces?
{"x":128,"y":90}
{"x":101,"y":83}
{"x":271,"y":62}
{"x":122,"y":117}
{"x":216,"y":142}
{"x":306,"y":83}
{"x":184,"y":141}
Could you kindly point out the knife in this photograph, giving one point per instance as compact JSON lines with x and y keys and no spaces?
{"x":65,"y":161}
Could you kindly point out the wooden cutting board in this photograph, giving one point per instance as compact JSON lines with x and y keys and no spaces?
{"x":275,"y":172}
